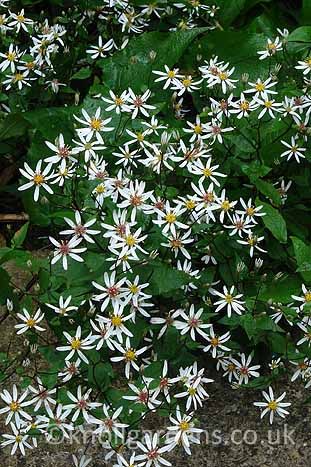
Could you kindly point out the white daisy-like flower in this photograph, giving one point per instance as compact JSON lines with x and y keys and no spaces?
{"x":169,"y":76}
{"x":216,"y":343}
{"x":228,"y":300}
{"x":304,"y":65}
{"x":37,"y":177}
{"x":93,"y":125}
{"x":90,"y":148}
{"x":18,"y":439}
{"x":77,"y":345}
{"x":152,"y":452}
{"x":272,"y":47}
{"x":193,"y":323}
{"x":63,"y":307}
{"x":11,"y":58}
{"x":273,"y":406}
{"x":169,"y":219}
{"x":80,"y":229}
{"x":293,"y":150}
{"x":117,"y":103}
{"x":14,"y":405}
{"x":81,"y":404}
{"x":101,"y":49}
{"x":244,"y":369}
{"x":138,"y":103}
{"x":129,"y":356}
{"x":20,"y":21}
{"x":182,"y":432}
{"x":63,"y":153}
{"x":29,"y":321}
{"x":65,"y":250}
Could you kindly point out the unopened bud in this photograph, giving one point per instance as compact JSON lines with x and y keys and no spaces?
{"x":44,"y":200}
{"x":245,"y":78}
{"x":77,"y":98}
{"x":152,"y":55}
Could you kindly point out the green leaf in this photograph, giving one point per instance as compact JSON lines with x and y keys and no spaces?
{"x":269,"y":191}
{"x":100,"y":375}
{"x":165,"y":278}
{"x":14,"y":125}
{"x":52,"y":121}
{"x":300,"y":39}
{"x":303,"y":258}
{"x":20,"y":236}
{"x":83,"y":73}
{"x":230,"y":10}
{"x":132,"y":67}
{"x":234,"y":9}
{"x":274,"y":221}
{"x":243,"y":55}
{"x":254,"y":170}
{"x":280,"y":290}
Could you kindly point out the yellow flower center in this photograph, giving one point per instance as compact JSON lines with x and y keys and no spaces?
{"x":225,"y":205}
{"x":170,"y":218}
{"x":18,"y":438}
{"x":223,"y":76}
{"x":140,"y":137}
{"x":171,"y":74}
{"x":20,"y":18}
{"x":130,"y":240}
{"x":250,"y":211}
{"x":214,"y":341}
{"x":207,"y":172}
{"x":118,"y":101}
{"x":271,"y":47}
{"x":184,"y":426}
{"x":272,"y":405}
{"x":38,"y":179}
{"x":229,"y":298}
{"x":75,"y":344}
{"x":18,"y":77}
{"x":192,"y":391}
{"x":30,"y":322}
{"x":96,"y":124}
{"x":100,"y":189}
{"x":130,"y":355}
{"x":187,"y":82}
{"x":260,"y":87}
{"x":308,"y":296}
{"x":252,"y":241}
{"x":268,"y":104}
{"x":14,"y":406}
{"x":197,"y":129}
{"x":134,"y":289}
{"x":244,"y":105}
{"x":116,"y":321}
{"x":190,"y":204}
{"x":308,"y":62}
{"x":11,"y":56}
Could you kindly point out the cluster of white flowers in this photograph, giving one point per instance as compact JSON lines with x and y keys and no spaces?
{"x":32,"y":60}
{"x":125,"y":213}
